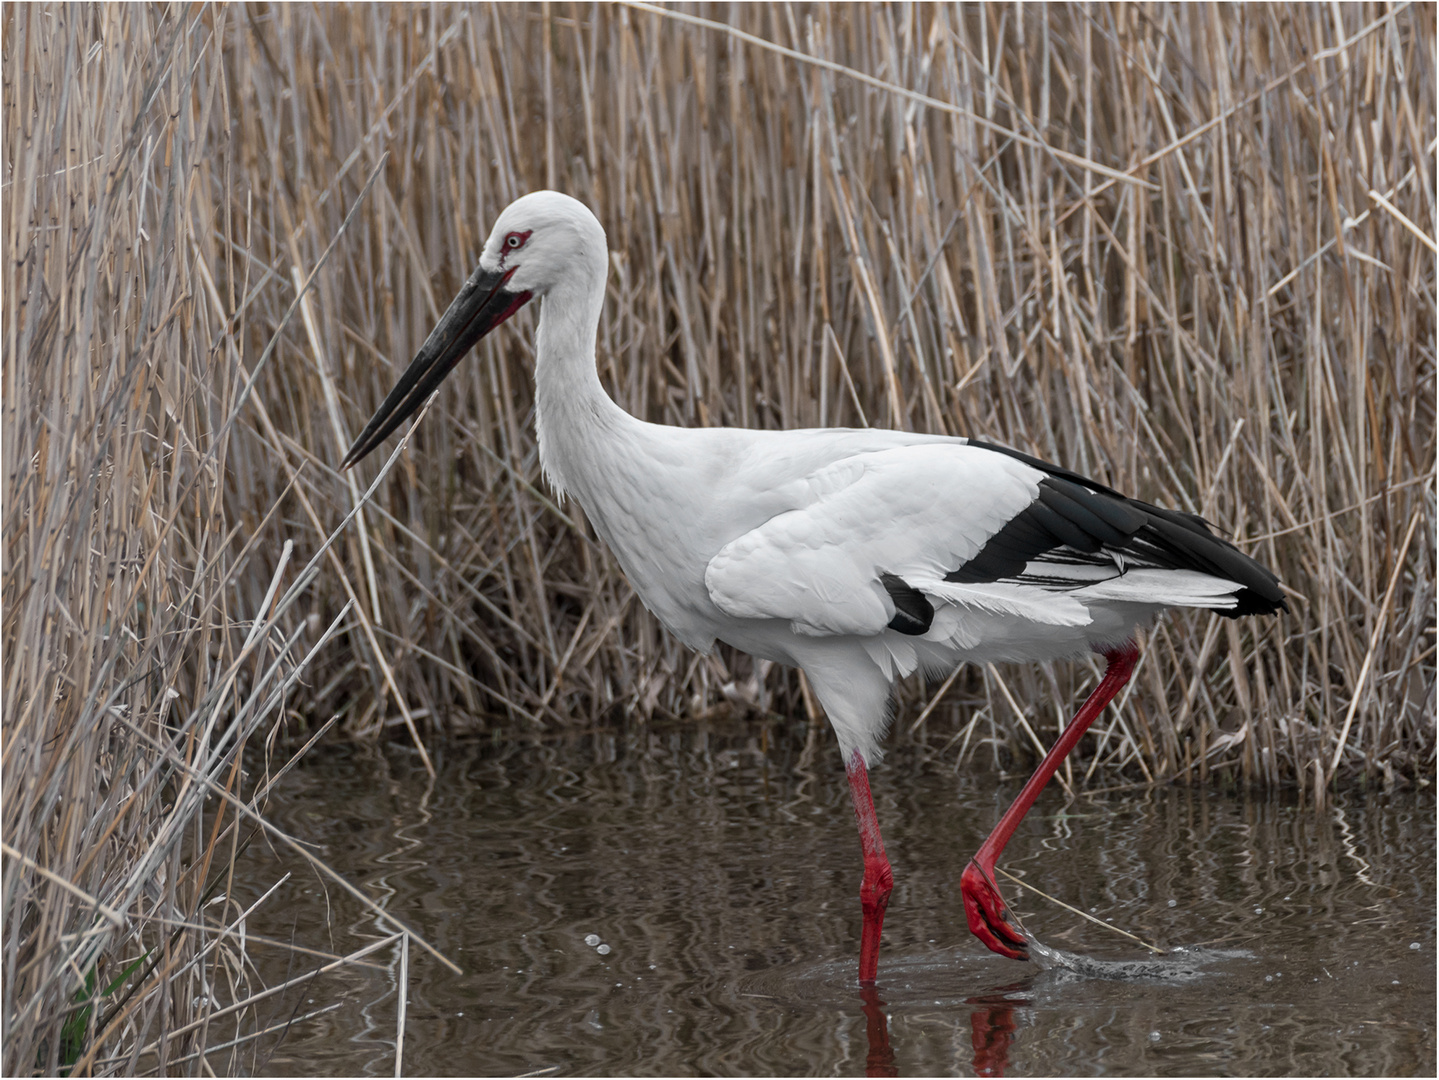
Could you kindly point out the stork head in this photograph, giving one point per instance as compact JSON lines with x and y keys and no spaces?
{"x":534,"y":249}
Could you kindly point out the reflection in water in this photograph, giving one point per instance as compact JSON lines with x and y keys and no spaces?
{"x":654,"y":902}
{"x":880,"y":1059}
{"x":991,"y":1030}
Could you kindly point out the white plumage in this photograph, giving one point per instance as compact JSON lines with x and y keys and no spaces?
{"x":858,"y":556}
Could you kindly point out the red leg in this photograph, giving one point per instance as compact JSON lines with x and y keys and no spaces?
{"x":878,"y":880}
{"x":982,"y":902}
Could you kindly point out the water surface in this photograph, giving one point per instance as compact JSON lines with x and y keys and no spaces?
{"x":684,"y":901}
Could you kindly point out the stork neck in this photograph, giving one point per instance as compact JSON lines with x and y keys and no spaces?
{"x":574,"y":417}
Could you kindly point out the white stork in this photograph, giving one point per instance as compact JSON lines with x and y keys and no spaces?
{"x":857,"y":556}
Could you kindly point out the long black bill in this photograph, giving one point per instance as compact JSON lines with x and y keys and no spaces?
{"x":482,"y":305}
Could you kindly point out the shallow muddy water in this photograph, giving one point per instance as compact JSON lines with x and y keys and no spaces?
{"x":653,"y":902}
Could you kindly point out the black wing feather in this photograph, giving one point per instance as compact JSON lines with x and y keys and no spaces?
{"x":912,"y":610}
{"x":1075,"y":517}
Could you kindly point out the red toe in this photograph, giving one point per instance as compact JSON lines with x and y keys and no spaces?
{"x":986,"y":912}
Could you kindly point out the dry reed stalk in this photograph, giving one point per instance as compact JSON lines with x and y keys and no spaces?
{"x":1188,"y":250}
{"x":137,"y":671}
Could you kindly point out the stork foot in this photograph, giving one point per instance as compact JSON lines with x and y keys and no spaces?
{"x":987,"y":912}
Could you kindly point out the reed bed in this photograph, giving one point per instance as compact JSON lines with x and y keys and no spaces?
{"x":1186,"y":250}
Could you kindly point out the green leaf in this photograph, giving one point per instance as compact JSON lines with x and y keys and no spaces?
{"x":72,"y":1035}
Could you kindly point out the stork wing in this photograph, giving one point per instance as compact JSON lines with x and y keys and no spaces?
{"x":881,"y":539}
{"x":870,"y":538}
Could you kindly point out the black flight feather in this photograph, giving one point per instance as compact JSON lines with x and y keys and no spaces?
{"x":1074,"y":517}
